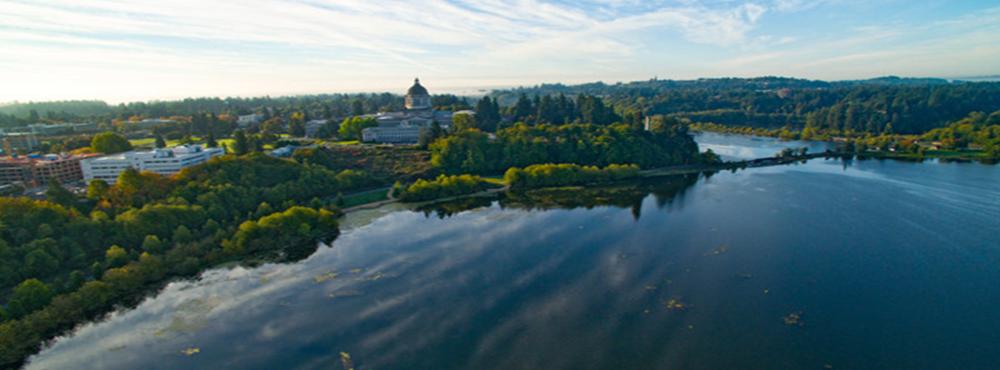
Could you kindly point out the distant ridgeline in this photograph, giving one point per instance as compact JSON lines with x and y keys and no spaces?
{"x":322,"y":105}
{"x":882,"y":105}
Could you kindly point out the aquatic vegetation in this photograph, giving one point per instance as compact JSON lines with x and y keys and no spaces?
{"x":325,"y":277}
{"x":793,"y":319}
{"x":675,"y":304}
{"x":345,"y":360}
{"x":721,"y":249}
{"x":191,"y":351}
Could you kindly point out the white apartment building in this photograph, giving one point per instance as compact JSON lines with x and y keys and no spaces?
{"x":166,"y":161}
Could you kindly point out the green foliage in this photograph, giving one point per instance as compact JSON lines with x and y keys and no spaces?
{"x":550,"y":175}
{"x":30,"y":295}
{"x":295,"y":229}
{"x":109,"y":143}
{"x":115,"y":256}
{"x":443,"y":186}
{"x":152,"y":244}
{"x":351,"y":128}
{"x":890,"y":105}
{"x":241,"y":144}
{"x":97,"y":189}
{"x":58,"y":194}
{"x":381,"y":165}
{"x":472,"y":151}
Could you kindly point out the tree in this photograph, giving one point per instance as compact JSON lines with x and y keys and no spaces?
{"x":160,"y":143}
{"x":152,"y":244}
{"x":487,"y":114}
{"x":351,"y":128}
{"x":523,"y":108}
{"x":357,"y":107}
{"x":297,"y":126}
{"x":110,"y":143}
{"x":182,"y":235}
{"x":463,"y":121}
{"x":210,"y":142}
{"x":273,"y":126}
{"x":241,"y":144}
{"x":58,"y":194}
{"x":115,"y":256}
{"x":29,"y":296}
{"x":39,"y":263}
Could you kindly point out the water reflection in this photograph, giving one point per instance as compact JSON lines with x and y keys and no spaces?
{"x":879,"y":265}
{"x":630,"y":195}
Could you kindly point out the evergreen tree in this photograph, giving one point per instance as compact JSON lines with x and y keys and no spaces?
{"x":241,"y":144}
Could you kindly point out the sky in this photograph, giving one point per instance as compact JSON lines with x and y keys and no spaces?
{"x":132,"y":50}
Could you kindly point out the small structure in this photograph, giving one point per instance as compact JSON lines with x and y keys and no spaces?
{"x":249,"y":120}
{"x":313,"y":126}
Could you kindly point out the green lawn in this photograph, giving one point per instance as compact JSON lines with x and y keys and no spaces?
{"x":356,"y":199}
{"x":150,"y":142}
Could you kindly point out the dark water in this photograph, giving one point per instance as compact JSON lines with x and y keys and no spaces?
{"x":890,"y":265}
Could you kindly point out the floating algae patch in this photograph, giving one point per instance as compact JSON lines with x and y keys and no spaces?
{"x":191,"y":351}
{"x":721,"y":249}
{"x":675,"y":304}
{"x":345,"y":360}
{"x":357,"y":270}
{"x":325,"y":277}
{"x":793,"y":319}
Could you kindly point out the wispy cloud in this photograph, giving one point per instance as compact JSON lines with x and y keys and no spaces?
{"x":229,"y":47}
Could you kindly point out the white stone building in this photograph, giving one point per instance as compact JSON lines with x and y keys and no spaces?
{"x":404,"y":127}
{"x":166,"y":161}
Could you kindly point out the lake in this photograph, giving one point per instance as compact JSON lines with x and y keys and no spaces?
{"x":828,"y":264}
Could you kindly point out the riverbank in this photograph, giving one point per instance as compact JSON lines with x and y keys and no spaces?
{"x":644,"y":174}
{"x":860,"y":146}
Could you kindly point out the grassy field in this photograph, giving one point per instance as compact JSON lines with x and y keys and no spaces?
{"x":150,"y":142}
{"x":377,"y":195}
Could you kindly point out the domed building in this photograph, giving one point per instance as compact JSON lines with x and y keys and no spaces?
{"x":417,"y":97}
{"x":405,"y":127}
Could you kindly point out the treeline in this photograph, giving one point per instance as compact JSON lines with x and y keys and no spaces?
{"x":65,"y":263}
{"x":978,"y":130}
{"x":325,"y":106}
{"x":887,"y":105}
{"x":442,"y":187}
{"x":549,"y":175}
{"x":667,"y":142}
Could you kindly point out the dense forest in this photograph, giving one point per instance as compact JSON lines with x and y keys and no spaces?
{"x":887,"y":105}
{"x":68,"y":259}
{"x":472,"y":151}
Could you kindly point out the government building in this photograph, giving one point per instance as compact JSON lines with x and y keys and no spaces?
{"x":405,"y":127}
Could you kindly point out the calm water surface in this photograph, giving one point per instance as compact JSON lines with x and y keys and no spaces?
{"x":888,"y":265}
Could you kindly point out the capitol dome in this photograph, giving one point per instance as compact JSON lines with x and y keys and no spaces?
{"x":417,"y":97}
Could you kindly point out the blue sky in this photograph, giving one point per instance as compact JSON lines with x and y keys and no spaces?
{"x":140,"y":50}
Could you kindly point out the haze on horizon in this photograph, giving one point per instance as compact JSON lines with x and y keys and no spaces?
{"x":131,"y":50}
